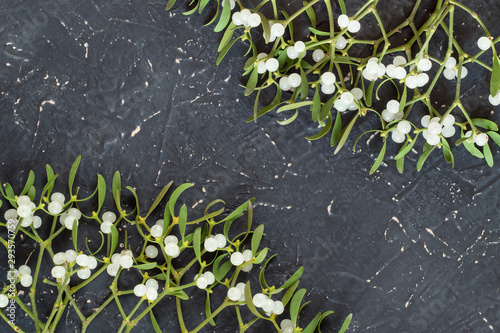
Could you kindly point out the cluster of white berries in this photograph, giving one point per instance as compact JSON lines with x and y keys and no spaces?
{"x":237,"y":294}
{"x":451,"y":72}
{"x":25,"y":211}
{"x":398,"y":134}
{"x":396,"y":69}
{"x":391,"y":112}
{"x":171,"y":246}
{"x":214,"y":242}
{"x":86,"y":263}
{"x":436,"y":127}
{"x":56,"y":203}
{"x":270,"y":64}
{"x":25,"y":276}
{"x":328,"y":80}
{"x":494,"y":100}
{"x":480,"y":139}
{"x":108,"y":218}
{"x":204,"y":280}
{"x":484,"y":43}
{"x":421,"y":79}
{"x":268,"y":305}
{"x":238,"y":258}
{"x":347,"y":100}
{"x":373,"y":69}
{"x":294,"y":51}
{"x":60,"y":259}
{"x":352,"y":26}
{"x":286,"y":326}
{"x":157,"y":229}
{"x":246,"y":18}
{"x":67,"y":218}
{"x":290,"y":82}
{"x":149,"y":289}
{"x":123,"y":259}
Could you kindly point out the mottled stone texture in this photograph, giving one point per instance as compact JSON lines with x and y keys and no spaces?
{"x":133,"y":87}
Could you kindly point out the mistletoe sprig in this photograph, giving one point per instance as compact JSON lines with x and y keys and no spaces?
{"x":218,"y":250}
{"x":321,"y":75}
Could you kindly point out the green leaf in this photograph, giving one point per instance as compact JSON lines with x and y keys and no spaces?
{"x":262,"y":278}
{"x":406,"y":148}
{"x":379,"y":159}
{"x":183,"y":221}
{"x":316,"y":106}
{"x":101,"y":191}
{"x":9,"y":195}
{"x":470,"y":146}
{"x":304,"y":85}
{"x":323,"y":316}
{"x":179,"y":294}
{"x":173,"y":198}
{"x":116,"y":187}
{"x":289,"y":120}
{"x":203,"y":4}
{"x":49,"y":185}
{"x":29,"y":182}
{"x":72,"y":173}
{"x":74,"y":234}
{"x":369,"y":93}
{"x":485,"y":123}
{"x":193,"y":10}
{"x":170,"y":4}
{"x":208,"y":310}
{"x":256,"y":105}
{"x":249,"y":300}
{"x":461,"y":140}
{"x":228,"y":34}
{"x":424,"y":156}
{"x":294,"y":106}
{"x":323,"y":132}
{"x":495,"y":76}
{"x":294,"y":278}
{"x":326,"y":108}
{"x":342,"y":6}
{"x":346,"y":324}
{"x":224,"y":51}
{"x":238,"y":211}
{"x":114,"y":239}
{"x":197,"y":243}
{"x":276,"y":101}
{"x":167,"y":218}
{"x":311,"y":14}
{"x":448,"y":155}
{"x":312,"y":324}
{"x":220,"y":272}
{"x":402,"y":103}
{"x":159,"y":198}
{"x":319,"y":32}
{"x":154,"y":322}
{"x":345,"y":135}
{"x":400,"y":163}
{"x":487,"y":155}
{"x":337,"y":130}
{"x":146,"y":266}
{"x":32,"y":193}
{"x":295,"y":306}
{"x":50,"y":174}
{"x":261,"y":256}
{"x":266,"y":28}
{"x":252,"y":82}
{"x":131,"y":189}
{"x":289,"y":293}
{"x":212,"y":20}
{"x":224,"y":17}
{"x":256,"y":238}
{"x":495,"y":136}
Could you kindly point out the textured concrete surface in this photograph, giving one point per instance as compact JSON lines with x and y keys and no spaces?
{"x":135,"y":88}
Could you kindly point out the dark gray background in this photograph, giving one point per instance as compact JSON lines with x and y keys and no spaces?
{"x":133,"y":87}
